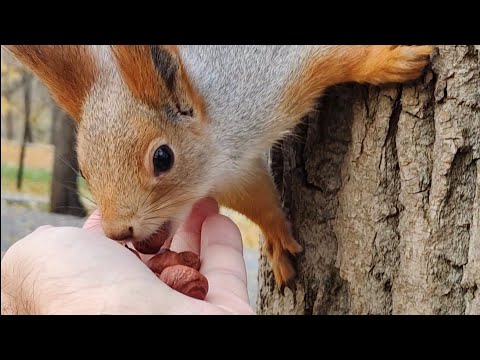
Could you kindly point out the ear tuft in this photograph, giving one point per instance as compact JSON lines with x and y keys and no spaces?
{"x":137,"y":67}
{"x":155,"y":74}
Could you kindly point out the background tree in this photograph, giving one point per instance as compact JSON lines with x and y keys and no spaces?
{"x":27,"y":132}
{"x":383,"y":189}
{"x":64,"y":197}
{"x":15,"y":80}
{"x":12,"y":81}
{"x":29,"y":115}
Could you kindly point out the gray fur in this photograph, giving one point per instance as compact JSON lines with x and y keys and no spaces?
{"x":242,"y":86}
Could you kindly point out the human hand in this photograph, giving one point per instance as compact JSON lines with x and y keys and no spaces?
{"x":66,"y":270}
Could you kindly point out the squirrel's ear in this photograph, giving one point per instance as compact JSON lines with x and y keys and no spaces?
{"x":153,"y":71}
{"x":68,"y":71}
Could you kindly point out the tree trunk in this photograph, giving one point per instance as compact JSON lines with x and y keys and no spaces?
{"x":64,"y":194}
{"x":27,"y":133}
{"x":383,"y":191}
{"x":9,"y":125}
{"x":55,"y":112}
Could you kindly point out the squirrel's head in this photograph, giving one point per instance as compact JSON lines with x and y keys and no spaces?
{"x":143,"y":145}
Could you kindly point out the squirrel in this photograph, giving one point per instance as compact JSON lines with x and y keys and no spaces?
{"x":160,"y":126}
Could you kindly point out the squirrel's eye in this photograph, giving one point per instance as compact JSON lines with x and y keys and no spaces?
{"x":162,"y":159}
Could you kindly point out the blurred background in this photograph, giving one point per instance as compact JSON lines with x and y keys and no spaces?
{"x":40,"y":184}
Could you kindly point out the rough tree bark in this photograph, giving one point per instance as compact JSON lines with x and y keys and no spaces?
{"x":64,"y":198}
{"x":382,"y":186}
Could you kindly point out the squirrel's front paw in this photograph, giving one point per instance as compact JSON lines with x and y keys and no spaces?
{"x":409,"y":61}
{"x":282,"y":251}
{"x":393,"y":63}
{"x":403,"y":63}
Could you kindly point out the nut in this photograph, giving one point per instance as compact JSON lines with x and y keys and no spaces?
{"x":145,"y":247}
{"x":190,"y":259}
{"x":186,"y":280}
{"x":170,"y":258}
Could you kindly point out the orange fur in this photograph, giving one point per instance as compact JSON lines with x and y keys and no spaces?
{"x":142,"y":78}
{"x":374,"y":64}
{"x":138,"y":71}
{"x":119,"y":170}
{"x":258,"y":200}
{"x":68,"y":72}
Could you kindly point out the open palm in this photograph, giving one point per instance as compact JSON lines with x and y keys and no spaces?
{"x":64,"y":270}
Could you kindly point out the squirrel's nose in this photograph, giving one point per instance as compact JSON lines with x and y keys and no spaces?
{"x":119,"y":234}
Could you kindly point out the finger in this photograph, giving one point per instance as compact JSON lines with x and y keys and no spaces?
{"x":94,"y":222}
{"x":42,"y":228}
{"x":222,"y":260}
{"x":187,"y":237}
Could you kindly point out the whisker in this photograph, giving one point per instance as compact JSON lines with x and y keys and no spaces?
{"x":155,"y":224}
{"x":168,"y":204}
{"x":155,"y":202}
{"x":173,"y":186}
{"x":169,"y":190}
{"x":165,"y":218}
{"x":68,"y":164}
{"x":150,"y":193}
{"x":78,"y":192}
{"x":178,"y":203}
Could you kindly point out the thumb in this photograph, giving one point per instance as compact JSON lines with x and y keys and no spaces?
{"x":222,"y":259}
